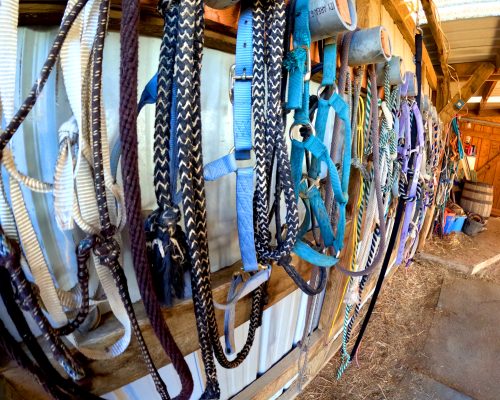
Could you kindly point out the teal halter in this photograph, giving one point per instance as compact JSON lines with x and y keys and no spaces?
{"x":305,"y":137}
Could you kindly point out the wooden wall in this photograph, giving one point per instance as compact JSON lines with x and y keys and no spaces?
{"x":487,"y":142}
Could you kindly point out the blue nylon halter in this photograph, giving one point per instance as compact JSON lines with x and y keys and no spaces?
{"x":298,"y":99}
{"x":241,"y":97}
{"x":241,"y":90}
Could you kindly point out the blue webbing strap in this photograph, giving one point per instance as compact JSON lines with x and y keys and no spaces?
{"x":242,"y":87}
{"x":148,"y":96}
{"x":241,"y":97}
{"x":241,"y":82}
{"x":298,"y":63}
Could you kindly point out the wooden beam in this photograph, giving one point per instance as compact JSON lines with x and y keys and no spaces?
{"x":220,"y":32}
{"x":484,"y":114}
{"x":438,"y":36}
{"x":365,"y":10}
{"x":481,"y":135}
{"x":466,"y":92}
{"x":464,"y":70}
{"x":108,"y":375}
{"x":487,"y":90}
{"x":321,"y":350}
{"x":279,"y":374}
{"x":399,"y":12}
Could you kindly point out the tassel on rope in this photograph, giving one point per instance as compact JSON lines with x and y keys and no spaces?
{"x":167,"y":254}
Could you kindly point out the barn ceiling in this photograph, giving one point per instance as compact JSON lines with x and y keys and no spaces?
{"x":472,"y":35}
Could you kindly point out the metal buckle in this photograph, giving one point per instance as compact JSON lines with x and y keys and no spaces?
{"x":251,"y":160}
{"x":328,"y":90}
{"x":233,"y":78}
{"x":260,"y":267}
{"x":295,"y":131}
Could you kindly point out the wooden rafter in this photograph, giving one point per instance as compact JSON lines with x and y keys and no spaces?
{"x":437,"y":34}
{"x":220,"y":32}
{"x":466,"y":92}
{"x":483,"y":114}
{"x":487,"y":90}
{"x":400,"y":13}
{"x":464,"y":70}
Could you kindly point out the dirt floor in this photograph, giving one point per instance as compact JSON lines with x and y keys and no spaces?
{"x":388,"y":356}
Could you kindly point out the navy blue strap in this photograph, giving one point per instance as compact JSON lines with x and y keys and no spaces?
{"x":148,"y":96}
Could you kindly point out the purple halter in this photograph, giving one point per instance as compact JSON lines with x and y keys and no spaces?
{"x":410,"y":108}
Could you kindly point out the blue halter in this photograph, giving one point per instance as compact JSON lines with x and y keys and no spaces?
{"x":298,"y":99}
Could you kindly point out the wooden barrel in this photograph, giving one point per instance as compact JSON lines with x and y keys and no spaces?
{"x":477,"y":197}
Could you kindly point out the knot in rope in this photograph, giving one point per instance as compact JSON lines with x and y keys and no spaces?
{"x":295,"y":59}
{"x":169,"y":218}
{"x":108,"y":251}
{"x":163,"y":7}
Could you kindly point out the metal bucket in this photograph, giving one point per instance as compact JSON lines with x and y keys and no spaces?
{"x":370,"y":46}
{"x":396,"y":68}
{"x":425,"y":105}
{"x":326,"y":20}
{"x":411,"y":82}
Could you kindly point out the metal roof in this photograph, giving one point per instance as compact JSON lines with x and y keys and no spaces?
{"x":459,"y":9}
{"x":471,"y":27}
{"x":470,"y":40}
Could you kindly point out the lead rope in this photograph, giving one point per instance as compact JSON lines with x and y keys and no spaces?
{"x":354,"y":298}
{"x":104,"y":246}
{"x":270,"y":146}
{"x":187,"y":79}
{"x":167,"y":248}
{"x":407,"y":189}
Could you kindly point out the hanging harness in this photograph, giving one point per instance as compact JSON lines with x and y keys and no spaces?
{"x":103,"y":245}
{"x":304,"y":138}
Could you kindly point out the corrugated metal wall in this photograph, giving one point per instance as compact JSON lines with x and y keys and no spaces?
{"x":37,"y":142}
{"x":282,"y":326}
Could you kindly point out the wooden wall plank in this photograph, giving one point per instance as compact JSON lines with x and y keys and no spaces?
{"x":483,"y":153}
{"x":489,"y":175}
{"x":496,"y":187}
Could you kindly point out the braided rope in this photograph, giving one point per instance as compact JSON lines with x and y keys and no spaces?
{"x":130,"y":173}
{"x":269,"y":136}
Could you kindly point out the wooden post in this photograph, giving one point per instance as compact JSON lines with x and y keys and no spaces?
{"x":437,"y":34}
